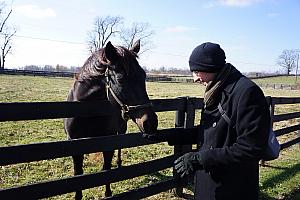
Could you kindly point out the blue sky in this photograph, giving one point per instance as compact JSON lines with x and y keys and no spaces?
{"x":253,"y":33}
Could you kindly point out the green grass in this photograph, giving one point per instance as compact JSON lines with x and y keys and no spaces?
{"x":287,"y":80}
{"x":280,"y":179}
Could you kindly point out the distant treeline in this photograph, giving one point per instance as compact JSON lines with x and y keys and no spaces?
{"x":169,"y":75}
{"x":162,"y":71}
{"x":50,"y":68}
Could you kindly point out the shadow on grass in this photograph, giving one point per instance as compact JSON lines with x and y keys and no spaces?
{"x":279,"y":178}
{"x":187,"y":183}
{"x":286,"y":174}
{"x":275,"y":167}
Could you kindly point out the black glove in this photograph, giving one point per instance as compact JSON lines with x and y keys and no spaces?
{"x":188,"y":163}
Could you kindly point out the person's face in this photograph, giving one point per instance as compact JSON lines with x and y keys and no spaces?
{"x":203,"y":77}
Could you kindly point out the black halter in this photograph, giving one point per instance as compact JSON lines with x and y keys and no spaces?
{"x":125,"y":109}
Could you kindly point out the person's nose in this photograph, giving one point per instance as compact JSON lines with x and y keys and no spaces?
{"x":196,"y":76}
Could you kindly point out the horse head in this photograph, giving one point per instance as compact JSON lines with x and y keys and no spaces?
{"x":126,"y":86}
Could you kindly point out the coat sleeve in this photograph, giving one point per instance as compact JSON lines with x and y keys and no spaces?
{"x":252,"y":127}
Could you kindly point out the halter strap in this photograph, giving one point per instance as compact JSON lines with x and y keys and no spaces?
{"x":124,"y":107}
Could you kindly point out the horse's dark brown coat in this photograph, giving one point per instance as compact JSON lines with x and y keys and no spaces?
{"x":118,"y":68}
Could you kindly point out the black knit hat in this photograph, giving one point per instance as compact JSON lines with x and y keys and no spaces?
{"x":207,"y":57}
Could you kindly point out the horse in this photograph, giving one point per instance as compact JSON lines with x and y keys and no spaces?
{"x":111,"y":73}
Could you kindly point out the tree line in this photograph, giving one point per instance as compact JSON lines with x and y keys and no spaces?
{"x":50,"y":68}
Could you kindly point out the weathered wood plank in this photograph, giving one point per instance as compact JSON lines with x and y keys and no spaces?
{"x":146,"y":191}
{"x":160,"y":105}
{"x":287,"y":116}
{"x":51,"y":150}
{"x":290,"y":143}
{"x":197,"y":102}
{"x":283,"y":131}
{"x":285,"y":100}
{"x":52,"y":110}
{"x":71,"y":184}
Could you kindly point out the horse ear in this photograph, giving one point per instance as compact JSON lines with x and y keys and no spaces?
{"x":111,"y":52}
{"x":136,"y":47}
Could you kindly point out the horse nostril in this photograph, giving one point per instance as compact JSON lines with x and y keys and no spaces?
{"x":146,"y":121}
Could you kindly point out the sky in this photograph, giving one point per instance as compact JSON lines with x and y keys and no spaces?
{"x":253,"y":33}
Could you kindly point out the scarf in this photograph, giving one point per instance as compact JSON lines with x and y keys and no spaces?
{"x":213,"y":87}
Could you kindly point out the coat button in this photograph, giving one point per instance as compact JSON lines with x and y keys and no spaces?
{"x":214,"y":124}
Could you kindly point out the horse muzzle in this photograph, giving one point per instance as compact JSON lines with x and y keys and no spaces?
{"x":146,"y":120}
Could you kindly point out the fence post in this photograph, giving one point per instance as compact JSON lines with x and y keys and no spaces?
{"x":189,"y":123}
{"x":178,"y":149}
{"x":184,"y":118}
{"x":299,"y":133}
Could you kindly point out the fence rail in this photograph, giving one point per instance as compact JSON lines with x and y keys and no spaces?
{"x":36,"y":73}
{"x":185,"y":114}
{"x":280,"y":86}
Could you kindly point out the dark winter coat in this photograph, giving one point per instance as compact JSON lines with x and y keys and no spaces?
{"x":230,"y":156}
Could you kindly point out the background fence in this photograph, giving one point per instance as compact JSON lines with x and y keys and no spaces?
{"x":36,"y":73}
{"x":185,"y":116}
{"x":152,"y":78}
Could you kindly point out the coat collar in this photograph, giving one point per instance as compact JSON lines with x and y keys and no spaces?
{"x":232,"y":80}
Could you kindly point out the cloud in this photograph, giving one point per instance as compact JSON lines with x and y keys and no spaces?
{"x":179,"y":29}
{"x":232,"y":3}
{"x":52,"y":53}
{"x":35,"y":12}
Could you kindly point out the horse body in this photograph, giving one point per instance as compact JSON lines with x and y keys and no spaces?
{"x":113,"y":74}
{"x":90,"y":90}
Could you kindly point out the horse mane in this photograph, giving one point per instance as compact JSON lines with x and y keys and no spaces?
{"x":97,"y":63}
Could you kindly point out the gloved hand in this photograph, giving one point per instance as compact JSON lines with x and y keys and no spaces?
{"x":188,"y":163}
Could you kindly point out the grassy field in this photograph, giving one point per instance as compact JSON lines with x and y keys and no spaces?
{"x":280,"y":179}
{"x":287,"y":80}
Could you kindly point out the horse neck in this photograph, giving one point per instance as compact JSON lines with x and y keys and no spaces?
{"x":89,"y":89}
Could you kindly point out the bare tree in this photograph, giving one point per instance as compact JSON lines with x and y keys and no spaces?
{"x":6,"y":34}
{"x":104,"y":28}
{"x":288,"y":59}
{"x":137,"y":31}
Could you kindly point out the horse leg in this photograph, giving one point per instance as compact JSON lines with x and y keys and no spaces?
{"x":107,"y":155}
{"x":121,"y":131}
{"x":78,"y":163}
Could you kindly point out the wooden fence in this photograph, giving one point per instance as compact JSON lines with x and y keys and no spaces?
{"x":273,"y":101}
{"x":185,"y":116}
{"x":280,"y":86}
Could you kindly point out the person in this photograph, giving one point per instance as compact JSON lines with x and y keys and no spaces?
{"x":226,"y":161}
